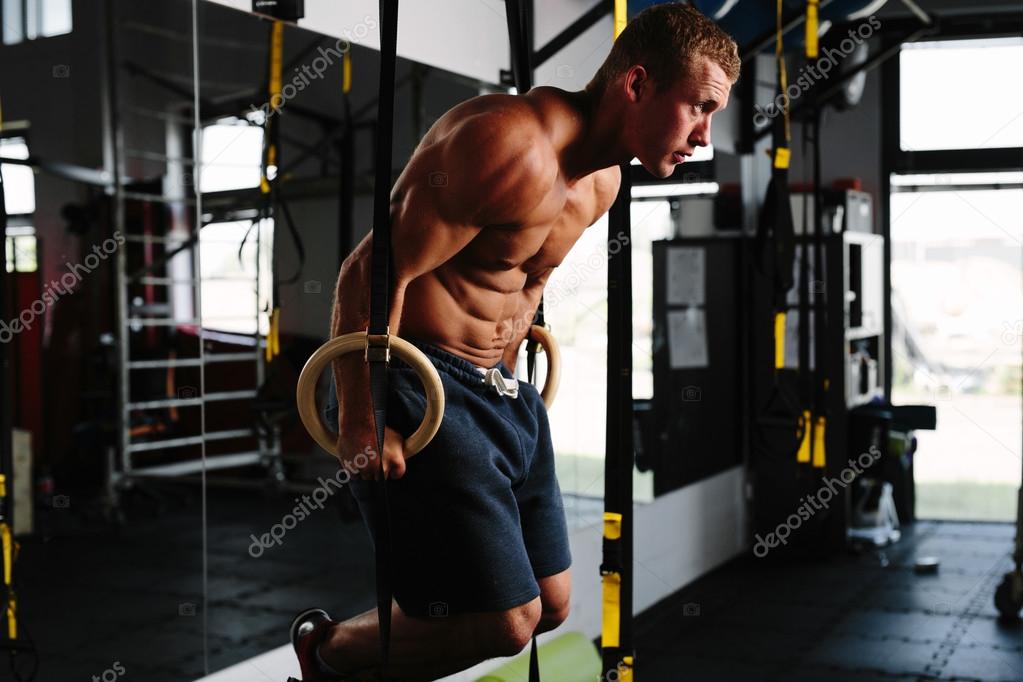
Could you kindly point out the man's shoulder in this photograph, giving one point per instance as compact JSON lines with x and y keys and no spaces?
{"x":502,"y":137}
{"x":499,"y":118}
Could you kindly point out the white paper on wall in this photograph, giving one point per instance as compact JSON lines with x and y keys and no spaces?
{"x":687,"y":338}
{"x":685,"y":276}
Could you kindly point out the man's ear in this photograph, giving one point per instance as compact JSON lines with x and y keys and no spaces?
{"x":637,"y":83}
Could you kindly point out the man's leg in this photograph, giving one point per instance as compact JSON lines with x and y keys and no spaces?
{"x":429,"y":648}
{"x":442,"y":646}
{"x":555,"y":599}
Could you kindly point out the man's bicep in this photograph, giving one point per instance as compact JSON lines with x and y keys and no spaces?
{"x":423,"y":239}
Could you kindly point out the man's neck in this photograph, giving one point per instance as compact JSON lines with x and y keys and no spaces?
{"x":598,"y":144}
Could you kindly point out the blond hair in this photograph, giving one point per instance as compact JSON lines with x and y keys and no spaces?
{"x":668,"y":39}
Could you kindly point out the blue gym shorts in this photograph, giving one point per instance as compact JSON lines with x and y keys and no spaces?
{"x":478,"y":516}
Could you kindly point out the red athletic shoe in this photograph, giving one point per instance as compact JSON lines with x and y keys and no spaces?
{"x":308,"y":630}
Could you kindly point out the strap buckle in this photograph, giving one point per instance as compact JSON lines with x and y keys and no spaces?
{"x":378,"y":348}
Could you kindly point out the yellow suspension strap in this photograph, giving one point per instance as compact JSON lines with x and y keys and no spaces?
{"x":812,"y":24}
{"x":774,"y":248}
{"x":819,"y":429}
{"x":8,"y":546}
{"x":274,"y":101}
{"x":346,"y":198}
{"x":10,"y":551}
{"x":779,"y":340}
{"x":803,"y":455}
{"x":781,"y":160}
{"x":270,"y":160}
{"x":346,"y":71}
{"x":820,"y":422}
{"x":611,"y":588}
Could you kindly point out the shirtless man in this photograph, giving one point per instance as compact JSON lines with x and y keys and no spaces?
{"x":490,"y":203}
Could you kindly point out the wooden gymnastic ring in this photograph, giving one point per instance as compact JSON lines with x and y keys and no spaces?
{"x":549,"y":346}
{"x":350,"y":343}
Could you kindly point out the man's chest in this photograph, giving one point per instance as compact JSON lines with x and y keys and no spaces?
{"x":545,"y":238}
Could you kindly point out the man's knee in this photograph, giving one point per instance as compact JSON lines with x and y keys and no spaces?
{"x":550,"y":618}
{"x":511,"y":630}
{"x":555,"y":597}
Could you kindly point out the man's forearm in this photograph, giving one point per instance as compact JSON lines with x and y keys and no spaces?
{"x":351,"y":314}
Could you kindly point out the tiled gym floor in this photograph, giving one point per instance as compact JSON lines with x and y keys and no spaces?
{"x":92,"y":598}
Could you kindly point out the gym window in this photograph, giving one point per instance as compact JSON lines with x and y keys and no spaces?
{"x":236,"y":275}
{"x":232,"y":151}
{"x":20,"y":201}
{"x":984,"y":115}
{"x":31,"y":19}
{"x":19,"y":182}
{"x":575,"y":305}
{"x":955,"y":239}
{"x":21,"y":250}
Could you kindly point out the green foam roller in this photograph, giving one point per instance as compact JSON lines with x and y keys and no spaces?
{"x":572,"y":657}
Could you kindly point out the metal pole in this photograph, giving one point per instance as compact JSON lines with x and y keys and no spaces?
{"x":6,"y":508}
{"x":115,"y":136}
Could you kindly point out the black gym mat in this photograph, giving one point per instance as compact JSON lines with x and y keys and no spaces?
{"x":862,"y":617}
{"x":94,"y":595}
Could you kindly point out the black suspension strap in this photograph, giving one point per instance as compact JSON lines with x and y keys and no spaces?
{"x":377,"y":342}
{"x":775,"y":247}
{"x":521,"y":43}
{"x":820,"y":303}
{"x":616,"y":565}
{"x":520,"y":38}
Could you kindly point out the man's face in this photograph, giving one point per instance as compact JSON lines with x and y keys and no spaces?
{"x":671,"y":123}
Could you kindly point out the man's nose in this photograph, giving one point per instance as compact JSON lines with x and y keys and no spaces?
{"x":700,"y":136}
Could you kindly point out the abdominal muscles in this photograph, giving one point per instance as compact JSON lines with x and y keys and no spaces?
{"x":466,"y":311}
